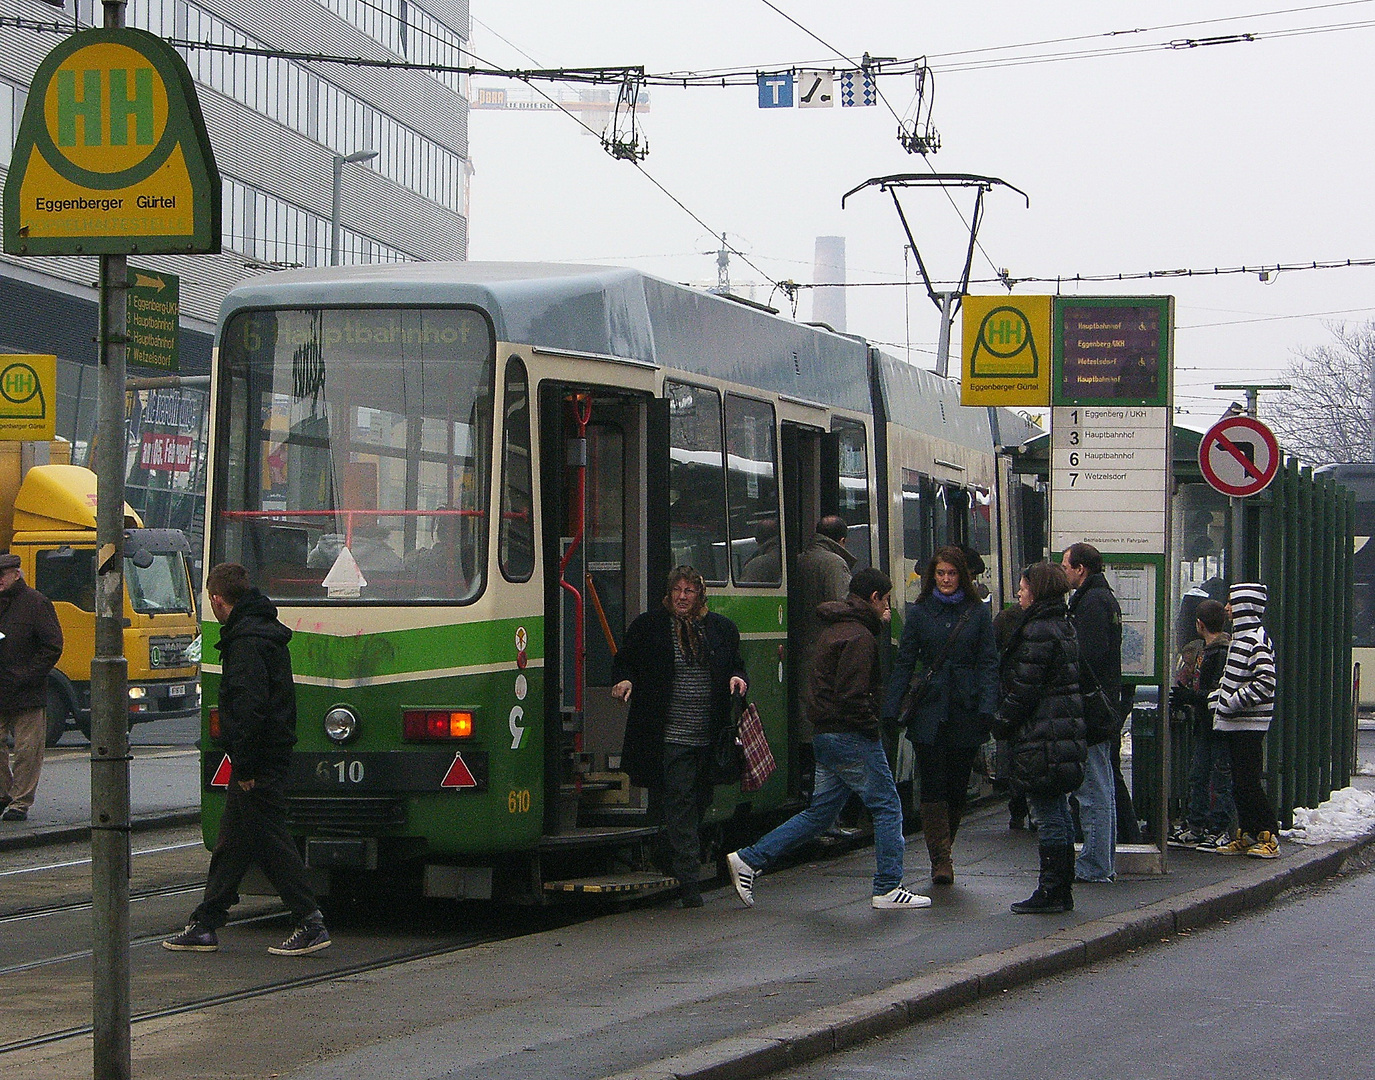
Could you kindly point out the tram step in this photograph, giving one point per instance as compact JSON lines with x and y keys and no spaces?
{"x":619,"y":885}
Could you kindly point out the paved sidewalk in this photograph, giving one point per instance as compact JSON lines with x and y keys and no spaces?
{"x":164,"y":789}
{"x":724,"y":992}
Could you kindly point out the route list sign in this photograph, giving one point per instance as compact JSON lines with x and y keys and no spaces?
{"x":1111,"y":449}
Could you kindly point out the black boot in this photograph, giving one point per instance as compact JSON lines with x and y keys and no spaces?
{"x":1066,"y":893}
{"x":1047,"y":899}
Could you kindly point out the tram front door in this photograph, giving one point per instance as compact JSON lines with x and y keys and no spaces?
{"x":596,"y":512}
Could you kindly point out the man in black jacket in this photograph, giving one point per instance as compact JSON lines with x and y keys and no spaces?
{"x":31,"y":645}
{"x":257,"y":706}
{"x":1097,"y":619}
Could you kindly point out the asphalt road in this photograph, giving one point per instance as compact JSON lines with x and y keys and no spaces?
{"x":1285,"y":994}
{"x":154,"y":733}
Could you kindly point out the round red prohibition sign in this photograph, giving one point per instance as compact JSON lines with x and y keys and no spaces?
{"x":1239,"y":456}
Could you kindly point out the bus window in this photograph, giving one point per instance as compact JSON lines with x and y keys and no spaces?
{"x":854,"y":489}
{"x":697,"y":482}
{"x":516,"y":531}
{"x":363,"y":437}
{"x":751,"y":469}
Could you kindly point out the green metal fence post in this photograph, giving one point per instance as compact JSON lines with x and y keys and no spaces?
{"x":1283,"y":743}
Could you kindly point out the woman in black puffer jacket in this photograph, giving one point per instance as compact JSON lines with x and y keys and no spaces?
{"x":1042,"y":712}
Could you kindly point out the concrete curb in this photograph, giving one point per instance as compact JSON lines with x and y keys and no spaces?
{"x":824,"y":1031}
{"x":65,"y":834}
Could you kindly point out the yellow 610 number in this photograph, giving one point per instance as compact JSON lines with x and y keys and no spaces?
{"x":518,"y":802}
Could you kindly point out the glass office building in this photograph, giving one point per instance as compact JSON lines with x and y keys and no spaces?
{"x":277,"y":127}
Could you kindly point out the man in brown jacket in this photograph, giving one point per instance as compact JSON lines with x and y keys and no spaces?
{"x":843,"y":703}
{"x":30,"y":647}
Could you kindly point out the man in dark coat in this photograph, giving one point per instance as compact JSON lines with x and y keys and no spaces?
{"x":31,"y":646}
{"x":843,"y":702}
{"x":1097,"y":619}
{"x":257,"y":711}
{"x":678,"y":668}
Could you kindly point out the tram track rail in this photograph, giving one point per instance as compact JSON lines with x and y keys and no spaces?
{"x":28,"y":914}
{"x":246,"y":993}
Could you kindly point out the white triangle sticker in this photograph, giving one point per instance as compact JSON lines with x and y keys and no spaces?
{"x":344,"y":579}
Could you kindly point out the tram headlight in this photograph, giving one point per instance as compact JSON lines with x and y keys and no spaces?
{"x":341,"y":724}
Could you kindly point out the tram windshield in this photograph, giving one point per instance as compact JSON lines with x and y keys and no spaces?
{"x":356,"y":447}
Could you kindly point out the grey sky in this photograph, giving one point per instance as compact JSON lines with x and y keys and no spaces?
{"x":1214,"y":156}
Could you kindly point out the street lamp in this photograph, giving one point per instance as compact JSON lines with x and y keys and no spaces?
{"x":339,"y":162}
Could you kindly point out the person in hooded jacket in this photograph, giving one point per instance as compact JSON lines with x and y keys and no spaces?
{"x":1243,"y":704}
{"x":843,"y":702}
{"x":257,"y":713}
{"x":948,"y":624}
{"x":1042,"y":712}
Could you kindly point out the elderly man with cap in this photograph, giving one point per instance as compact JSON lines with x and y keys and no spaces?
{"x":30,"y":647}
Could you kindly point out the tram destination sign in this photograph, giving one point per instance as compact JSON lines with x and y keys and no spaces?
{"x":112,"y":155}
{"x":1112,"y":350}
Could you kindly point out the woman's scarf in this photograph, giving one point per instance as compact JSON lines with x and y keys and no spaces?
{"x":689,"y":629}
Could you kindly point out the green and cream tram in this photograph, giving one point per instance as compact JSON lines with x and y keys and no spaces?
{"x":459,"y":482}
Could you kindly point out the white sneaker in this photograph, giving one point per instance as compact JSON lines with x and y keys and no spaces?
{"x":742,"y":877}
{"x":901,"y":898}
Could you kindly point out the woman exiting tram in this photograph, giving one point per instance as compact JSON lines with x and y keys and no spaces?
{"x":949,"y":630}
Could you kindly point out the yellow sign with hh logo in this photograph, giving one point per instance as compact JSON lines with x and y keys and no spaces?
{"x":112,"y":156}
{"x":1005,"y":350}
{"x":28,"y":398}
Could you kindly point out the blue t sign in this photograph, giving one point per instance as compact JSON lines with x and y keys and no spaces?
{"x":776,"y":91}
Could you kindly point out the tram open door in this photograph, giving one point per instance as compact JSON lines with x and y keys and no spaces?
{"x":810,"y":463}
{"x":596,"y":465}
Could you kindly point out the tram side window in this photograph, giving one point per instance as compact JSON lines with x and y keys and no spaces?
{"x":516,"y":533}
{"x":854,"y":489}
{"x":751,"y":484}
{"x":697,"y":481}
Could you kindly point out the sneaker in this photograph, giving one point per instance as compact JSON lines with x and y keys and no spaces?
{"x":742,"y":877}
{"x":901,"y":898}
{"x":310,"y":937}
{"x":195,"y":938}
{"x":14,"y":813}
{"x":1212,"y":843}
{"x":1236,"y":844}
{"x":1265,"y":847}
{"x":1185,"y":836}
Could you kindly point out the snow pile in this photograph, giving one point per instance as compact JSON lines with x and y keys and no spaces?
{"x":1348,"y":815}
{"x":1366,"y":768}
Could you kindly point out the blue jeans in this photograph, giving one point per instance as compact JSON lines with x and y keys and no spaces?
{"x":844,"y":763}
{"x":1211,"y":808}
{"x":1097,"y":816}
{"x":1054,"y":822}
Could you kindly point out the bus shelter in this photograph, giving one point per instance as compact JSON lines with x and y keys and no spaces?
{"x":1296,"y":537}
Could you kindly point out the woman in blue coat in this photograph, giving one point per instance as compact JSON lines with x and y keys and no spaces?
{"x":948,"y":628}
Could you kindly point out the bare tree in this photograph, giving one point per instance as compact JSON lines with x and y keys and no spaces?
{"x":1327,"y":417}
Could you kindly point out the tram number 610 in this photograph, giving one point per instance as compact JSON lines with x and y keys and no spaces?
{"x":349,"y":772}
{"x":518,"y":802}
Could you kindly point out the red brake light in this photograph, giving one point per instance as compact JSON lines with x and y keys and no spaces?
{"x":423,"y":725}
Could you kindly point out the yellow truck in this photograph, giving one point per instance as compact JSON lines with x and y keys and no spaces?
{"x":47,"y":518}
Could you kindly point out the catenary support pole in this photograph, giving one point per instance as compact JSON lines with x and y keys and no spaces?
{"x":110,"y":689}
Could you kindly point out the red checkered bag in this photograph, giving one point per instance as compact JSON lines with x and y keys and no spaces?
{"x":759,"y":762}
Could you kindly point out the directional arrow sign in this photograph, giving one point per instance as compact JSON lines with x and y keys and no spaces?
{"x":1239,"y":456}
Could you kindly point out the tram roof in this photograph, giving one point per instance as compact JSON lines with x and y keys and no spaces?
{"x":604,"y":310}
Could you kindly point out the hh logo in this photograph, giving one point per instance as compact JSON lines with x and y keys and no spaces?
{"x":106,"y":110}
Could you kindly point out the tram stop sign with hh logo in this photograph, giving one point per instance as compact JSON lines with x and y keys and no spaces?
{"x":112,"y":155}
{"x":28,"y":398}
{"x":1239,"y":456}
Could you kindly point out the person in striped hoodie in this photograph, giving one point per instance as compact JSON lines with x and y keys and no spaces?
{"x":1243,"y":704}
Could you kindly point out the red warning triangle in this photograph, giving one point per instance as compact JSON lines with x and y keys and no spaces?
{"x":222,"y":773}
{"x":458,"y":775}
